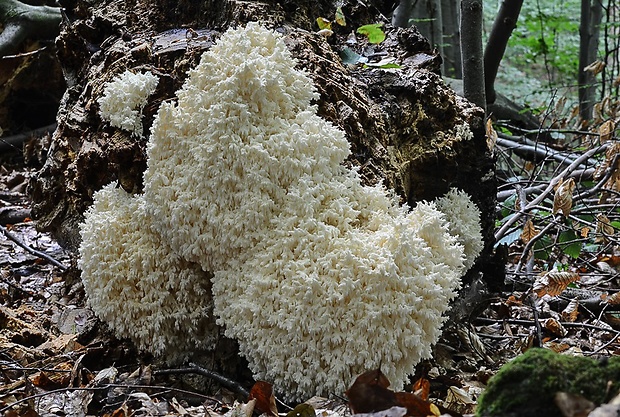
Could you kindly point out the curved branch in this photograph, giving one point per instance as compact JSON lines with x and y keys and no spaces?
{"x":23,"y":21}
{"x":502,"y":231}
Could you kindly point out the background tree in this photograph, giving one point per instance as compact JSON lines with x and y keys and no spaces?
{"x":471,"y":52}
{"x":504,"y":24}
{"x":589,"y":30}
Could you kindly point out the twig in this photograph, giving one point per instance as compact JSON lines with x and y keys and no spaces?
{"x":554,"y":181}
{"x":103,"y":387}
{"x":12,"y":142}
{"x":578,"y":175}
{"x":195,"y":369}
{"x":30,"y":250}
{"x":605,"y":346}
{"x":533,"y":240}
{"x":535,"y":151}
{"x":522,"y":322}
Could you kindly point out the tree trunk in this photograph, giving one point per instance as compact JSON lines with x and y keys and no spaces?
{"x":471,"y":52}
{"x":589,"y":28}
{"x":504,"y":24}
{"x":450,"y":12}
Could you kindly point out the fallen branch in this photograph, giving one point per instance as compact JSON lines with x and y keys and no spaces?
{"x":196,"y":369}
{"x":554,"y":181}
{"x":522,"y":322}
{"x":534,"y":151}
{"x":30,"y":250}
{"x":12,"y":215}
{"x":15,"y":142}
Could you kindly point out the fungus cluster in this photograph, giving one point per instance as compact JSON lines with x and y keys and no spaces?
{"x":124,"y":98}
{"x":249,"y":216}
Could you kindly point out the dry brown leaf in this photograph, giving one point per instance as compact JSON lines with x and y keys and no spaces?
{"x":262,"y":392}
{"x":459,"y":399}
{"x":529,"y":166}
{"x":613,"y":299}
{"x":563,"y":199}
{"x":597,"y":113}
{"x":529,"y":231}
{"x":513,"y":301}
{"x":559,"y":105}
{"x":596,"y":67}
{"x":557,"y":347}
{"x":606,"y":131}
{"x":553,"y":283}
{"x":584,"y":232}
{"x":422,"y":388}
{"x":491,"y":135}
{"x":604,"y":229}
{"x":613,"y":320}
{"x":571,"y":311}
{"x":370,"y":393}
{"x":555,"y":327}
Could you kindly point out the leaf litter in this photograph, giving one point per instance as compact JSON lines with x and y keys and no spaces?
{"x":561,"y":293}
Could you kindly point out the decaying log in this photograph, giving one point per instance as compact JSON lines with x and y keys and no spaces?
{"x":400,"y":123}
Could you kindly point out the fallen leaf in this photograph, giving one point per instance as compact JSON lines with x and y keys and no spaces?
{"x":529,"y":231}
{"x":571,"y":311}
{"x":374,"y":32}
{"x":604,"y":229}
{"x":491,"y":135}
{"x":606,"y":131}
{"x":595,"y":67}
{"x":555,"y":327}
{"x":613,"y":299}
{"x":262,"y":392}
{"x":370,"y":393}
{"x":416,"y":406}
{"x":563,"y":198}
{"x":323,"y":23}
{"x":553,"y":283}
{"x":340,"y":19}
{"x":422,"y":388}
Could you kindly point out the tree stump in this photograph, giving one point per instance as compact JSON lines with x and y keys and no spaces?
{"x":402,"y":124}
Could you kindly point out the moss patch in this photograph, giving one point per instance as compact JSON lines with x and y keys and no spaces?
{"x":526,"y":386}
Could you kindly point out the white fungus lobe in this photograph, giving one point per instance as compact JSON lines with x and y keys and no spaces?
{"x":124,"y":98}
{"x":464,"y":223}
{"x":318,"y":277}
{"x":137,"y":285}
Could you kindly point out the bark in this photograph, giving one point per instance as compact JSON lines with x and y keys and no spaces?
{"x":505,"y":22}
{"x":589,"y":28}
{"x":471,"y":52}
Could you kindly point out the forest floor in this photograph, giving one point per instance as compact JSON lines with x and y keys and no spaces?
{"x":562,"y":277}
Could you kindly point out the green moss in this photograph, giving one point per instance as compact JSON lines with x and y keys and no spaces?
{"x":527,"y":385}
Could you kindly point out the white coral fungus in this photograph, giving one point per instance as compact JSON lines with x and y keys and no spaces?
{"x":318,"y":277}
{"x":137,"y":285}
{"x":124,"y":98}
{"x":464,"y":222}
